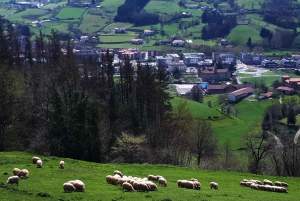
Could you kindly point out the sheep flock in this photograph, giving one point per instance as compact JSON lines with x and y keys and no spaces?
{"x":145,"y":184}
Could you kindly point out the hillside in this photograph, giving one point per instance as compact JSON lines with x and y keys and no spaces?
{"x":46,"y":183}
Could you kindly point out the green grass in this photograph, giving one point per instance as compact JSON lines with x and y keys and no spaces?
{"x":117,"y":37}
{"x":46,"y":29}
{"x":160,"y":7}
{"x":113,"y":5}
{"x":55,"y":5}
{"x":92,"y":23}
{"x":284,"y":120}
{"x":241,"y":33}
{"x":268,"y":73}
{"x":29,"y":15}
{"x":5,"y":11}
{"x":245,"y":75}
{"x":267,"y":79}
{"x":248,"y":4}
{"x":70,"y":13}
{"x":48,"y":181}
{"x":110,"y":28}
{"x":280,"y":72}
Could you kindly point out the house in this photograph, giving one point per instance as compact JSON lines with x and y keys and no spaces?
{"x":186,"y":14}
{"x":293,"y":83}
{"x":212,"y":74}
{"x":288,"y":63}
{"x":192,"y":59}
{"x":84,"y":39}
{"x":224,"y":57}
{"x":265,"y":96}
{"x":164,"y":61}
{"x":239,"y":94}
{"x":295,"y":57}
{"x":180,"y":43}
{"x":269,"y":63}
{"x":154,"y":53}
{"x":165,"y":42}
{"x":119,"y":30}
{"x":225,"y":88}
{"x":285,"y":90}
{"x":251,"y":59}
{"x":136,"y":41}
{"x":132,"y":54}
{"x":148,"y":33}
{"x":84,"y":54}
{"x":177,"y":65}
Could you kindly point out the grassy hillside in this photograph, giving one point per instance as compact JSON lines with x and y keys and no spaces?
{"x":46,"y":183}
{"x":241,"y":33}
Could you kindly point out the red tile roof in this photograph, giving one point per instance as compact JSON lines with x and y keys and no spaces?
{"x":242,"y":91}
{"x":285,"y":89}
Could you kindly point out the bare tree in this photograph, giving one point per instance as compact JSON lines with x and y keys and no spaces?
{"x":203,"y":142}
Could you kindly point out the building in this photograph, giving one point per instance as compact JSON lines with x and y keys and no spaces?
{"x":269,"y":63}
{"x":285,"y":90}
{"x":177,"y":65}
{"x":136,"y":41}
{"x":251,"y":59}
{"x":239,"y":94}
{"x":223,"y":42}
{"x":84,"y":39}
{"x":148,"y":32}
{"x":295,"y":57}
{"x":224,"y":57}
{"x":154,"y":53}
{"x":85,"y":54}
{"x":289,"y":82}
{"x":180,"y":43}
{"x":164,"y":61}
{"x":265,"y":96}
{"x":194,"y":6}
{"x":132,"y":54}
{"x":119,"y":30}
{"x":288,"y":63}
{"x":192,"y":59}
{"x":186,"y":14}
{"x":225,"y":88}
{"x":212,"y":74}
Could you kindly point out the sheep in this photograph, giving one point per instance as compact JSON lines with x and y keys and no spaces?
{"x":108,"y":178}
{"x":62,"y":164}
{"x":268,"y":182}
{"x":254,"y":186}
{"x":152,"y":186}
{"x":142,"y":187}
{"x":68,"y":187}
{"x":248,"y":183}
{"x":118,"y":173}
{"x":127,"y":186}
{"x":284,"y":184}
{"x":13,"y":180}
{"x":16,"y":171}
{"x":197,"y":185}
{"x":78,"y":184}
{"x":255,"y":181}
{"x":243,"y":183}
{"x":35,"y":159}
{"x":181,"y":183}
{"x":190,"y":185}
{"x":245,"y":180}
{"x":151,"y":177}
{"x":39,"y":163}
{"x":114,"y":180}
{"x":278,"y":183}
{"x":214,"y":185}
{"x":121,"y":180}
{"x":162,"y":181}
{"x":193,"y":179}
{"x":158,"y":176}
{"x":24,"y":174}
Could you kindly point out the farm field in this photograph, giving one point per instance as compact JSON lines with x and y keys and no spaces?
{"x":117,"y":38}
{"x":241,"y":33}
{"x":111,"y":5}
{"x":5,"y":11}
{"x":110,"y":27}
{"x":71,"y":13}
{"x":48,"y":26}
{"x":267,"y":79}
{"x":29,"y":15}
{"x":248,"y":4}
{"x":92,"y":23}
{"x":46,"y":183}
{"x":55,"y":5}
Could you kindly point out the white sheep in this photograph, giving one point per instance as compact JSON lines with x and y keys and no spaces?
{"x":39,"y":163}
{"x":35,"y":159}
{"x":127,"y":186}
{"x":62,"y":164}
{"x":16,"y":171}
{"x":190,"y":184}
{"x":181,"y":183}
{"x":118,"y":173}
{"x":13,"y":180}
{"x":197,"y":185}
{"x":78,"y":184}
{"x":268,"y":182}
{"x":142,"y":187}
{"x":24,"y":174}
{"x":152,"y":186}
{"x":254,"y":186}
{"x":152,"y":177}
{"x":214,"y":185}
{"x":162,"y":181}
{"x":68,"y":187}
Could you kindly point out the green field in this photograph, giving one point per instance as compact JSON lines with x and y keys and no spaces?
{"x":55,"y":5}
{"x":46,"y":29}
{"x":110,"y":27}
{"x":246,"y":4}
{"x":29,"y":15}
{"x":116,"y":38}
{"x":92,"y":23}
{"x":70,"y":13}
{"x":245,"y":75}
{"x":267,"y":79}
{"x":241,"y":33}
{"x":112,"y":5}
{"x":46,"y":183}
{"x":5,"y":11}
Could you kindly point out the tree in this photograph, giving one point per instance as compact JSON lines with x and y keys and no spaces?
{"x":203,"y":142}
{"x":257,"y":147}
{"x":249,"y":43}
{"x":291,"y":119}
{"x":196,"y":94}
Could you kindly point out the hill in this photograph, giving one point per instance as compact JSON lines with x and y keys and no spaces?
{"x":46,"y":183}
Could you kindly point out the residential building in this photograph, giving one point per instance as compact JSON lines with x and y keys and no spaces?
{"x":132,"y":54}
{"x":288,"y":63}
{"x":269,"y":63}
{"x":136,"y":41}
{"x":119,"y":30}
{"x":154,"y":53}
{"x":180,"y":43}
{"x":191,"y":6}
{"x":265,"y":96}
{"x":239,"y":94}
{"x":177,"y":65}
{"x":84,"y":39}
{"x":205,"y":63}
{"x":192,"y":59}
{"x":85,"y":54}
{"x":251,"y":59}
{"x":148,"y":33}
{"x":293,"y":83}
{"x":295,"y":57}
{"x":224,"y":42}
{"x":224,"y":57}
{"x":164,"y":61}
{"x":225,"y":88}
{"x":285,"y":90}
{"x":212,"y":74}
{"x":186,"y":15}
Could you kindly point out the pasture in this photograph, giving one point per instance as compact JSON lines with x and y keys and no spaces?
{"x":29,"y":15}
{"x":111,"y":5}
{"x":117,"y":37}
{"x":252,"y":4}
{"x":48,"y":26}
{"x":241,"y":33}
{"x":46,"y":183}
{"x":92,"y":23}
{"x":267,"y":79}
{"x":70,"y":13}
{"x":55,"y":5}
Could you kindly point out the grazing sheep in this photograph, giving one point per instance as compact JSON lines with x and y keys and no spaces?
{"x":13,"y":180}
{"x":118,"y":173}
{"x":142,"y":187}
{"x":197,"y":185}
{"x":190,"y":185}
{"x":127,"y":186}
{"x":245,"y":180}
{"x":39,"y":163}
{"x":158,"y":176}
{"x":35,"y":159}
{"x":78,"y":184}
{"x":214,"y":185}
{"x":193,"y":179}
{"x":68,"y":187}
{"x":268,"y":182}
{"x":24,"y":174}
{"x":248,"y":183}
{"x":151,"y":177}
{"x":152,"y":186}
{"x":243,"y":183}
{"x":114,"y":180}
{"x":254,"y":186}
{"x":162,"y":181}
{"x":181,"y":183}
{"x":108,"y":178}
{"x":121,"y":180}
{"x":16,"y":171}
{"x":62,"y":164}
{"x":284,"y":184}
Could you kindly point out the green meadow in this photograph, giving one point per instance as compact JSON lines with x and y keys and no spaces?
{"x":46,"y":183}
{"x":241,"y":33}
{"x":267,"y":79}
{"x":29,"y":15}
{"x":70,"y":13}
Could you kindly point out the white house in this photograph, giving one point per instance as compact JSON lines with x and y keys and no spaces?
{"x":84,"y":39}
{"x":178,"y":43}
{"x":239,"y":94}
{"x":180,"y":66}
{"x":148,"y":32}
